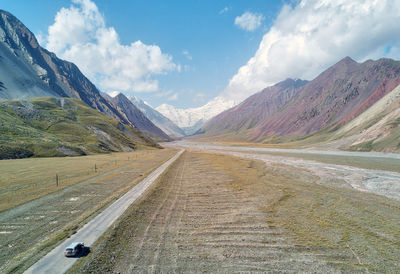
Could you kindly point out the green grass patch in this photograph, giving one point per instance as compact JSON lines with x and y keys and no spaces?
{"x":47,"y":127}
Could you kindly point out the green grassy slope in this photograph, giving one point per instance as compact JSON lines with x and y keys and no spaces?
{"x":58,"y":127}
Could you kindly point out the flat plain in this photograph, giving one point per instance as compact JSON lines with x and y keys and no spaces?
{"x":37,"y":214}
{"x":219,"y":213}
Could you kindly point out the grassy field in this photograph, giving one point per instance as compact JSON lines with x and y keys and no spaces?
{"x":40,"y":214}
{"x":213,"y":212}
{"x":326,"y":216}
{"x":23,"y":180}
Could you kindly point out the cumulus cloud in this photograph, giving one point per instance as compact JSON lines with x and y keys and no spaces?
{"x":307,"y":38}
{"x":79,"y":34}
{"x":249,"y":21}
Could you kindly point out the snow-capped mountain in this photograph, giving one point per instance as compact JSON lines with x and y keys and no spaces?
{"x":157,"y":118}
{"x":191,"y":119}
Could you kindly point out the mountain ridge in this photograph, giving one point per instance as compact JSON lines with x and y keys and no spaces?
{"x":61,"y":78}
{"x":29,"y":71}
{"x":332,"y":99}
{"x":157,"y":118}
{"x":136,"y":117}
{"x":190,"y":120}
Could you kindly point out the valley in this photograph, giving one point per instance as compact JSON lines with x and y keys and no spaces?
{"x":37,"y":214}
{"x":289,"y":163}
{"x":232,"y":212}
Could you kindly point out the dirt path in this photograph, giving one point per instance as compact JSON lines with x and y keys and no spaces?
{"x":204,"y":217}
{"x":32,"y":229}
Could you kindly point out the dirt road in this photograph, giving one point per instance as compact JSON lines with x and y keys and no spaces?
{"x":56,"y":262}
{"x":216,"y":213}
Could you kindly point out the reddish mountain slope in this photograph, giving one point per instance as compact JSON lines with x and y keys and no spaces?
{"x":138,"y":119}
{"x":242,"y":118}
{"x":335,"y":97}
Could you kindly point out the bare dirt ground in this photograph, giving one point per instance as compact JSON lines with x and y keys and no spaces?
{"x":218,"y":213}
{"x":30,"y":230}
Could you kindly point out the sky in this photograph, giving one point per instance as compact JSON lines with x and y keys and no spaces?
{"x":202,"y":46}
{"x":185,"y":53}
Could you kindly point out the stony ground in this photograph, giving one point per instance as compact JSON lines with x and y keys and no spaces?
{"x":216,"y":213}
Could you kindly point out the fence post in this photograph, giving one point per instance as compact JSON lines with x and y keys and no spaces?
{"x":57,"y":179}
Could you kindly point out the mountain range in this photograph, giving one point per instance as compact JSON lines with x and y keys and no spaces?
{"x":136,"y":117}
{"x":157,"y":118}
{"x":29,"y":71}
{"x":292,"y":110}
{"x":350,"y":105}
{"x":190,"y":120}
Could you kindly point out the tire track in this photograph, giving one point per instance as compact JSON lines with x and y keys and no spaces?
{"x":168,"y":217}
{"x":153,"y":231}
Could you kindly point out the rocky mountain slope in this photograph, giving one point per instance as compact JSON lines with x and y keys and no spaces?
{"x":332,"y":99}
{"x":62,"y":126}
{"x":191,"y":119}
{"x":28,"y":71}
{"x":157,"y":118}
{"x":254,"y":110}
{"x":138,"y":119}
{"x":377,"y":128}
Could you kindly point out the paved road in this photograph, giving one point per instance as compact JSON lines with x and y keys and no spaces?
{"x":56,"y":262}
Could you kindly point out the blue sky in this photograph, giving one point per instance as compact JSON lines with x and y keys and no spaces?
{"x":205,"y":29}
{"x":185,"y":53}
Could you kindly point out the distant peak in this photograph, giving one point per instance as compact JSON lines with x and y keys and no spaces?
{"x":347,"y":60}
{"x":291,"y":82}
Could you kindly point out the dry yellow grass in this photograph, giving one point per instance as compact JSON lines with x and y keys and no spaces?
{"x":23,"y":180}
{"x":325,"y":217}
{"x":216,"y":202}
{"x":44,"y":222}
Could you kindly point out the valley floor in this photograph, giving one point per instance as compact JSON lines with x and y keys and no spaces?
{"x":212,"y":212}
{"x":37,"y":214}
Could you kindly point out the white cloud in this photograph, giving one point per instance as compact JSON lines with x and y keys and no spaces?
{"x":307,"y":38}
{"x":249,"y":21}
{"x":224,"y":10}
{"x":79,"y":34}
{"x":187,"y":54}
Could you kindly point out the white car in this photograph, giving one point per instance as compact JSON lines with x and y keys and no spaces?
{"x":74,"y":249}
